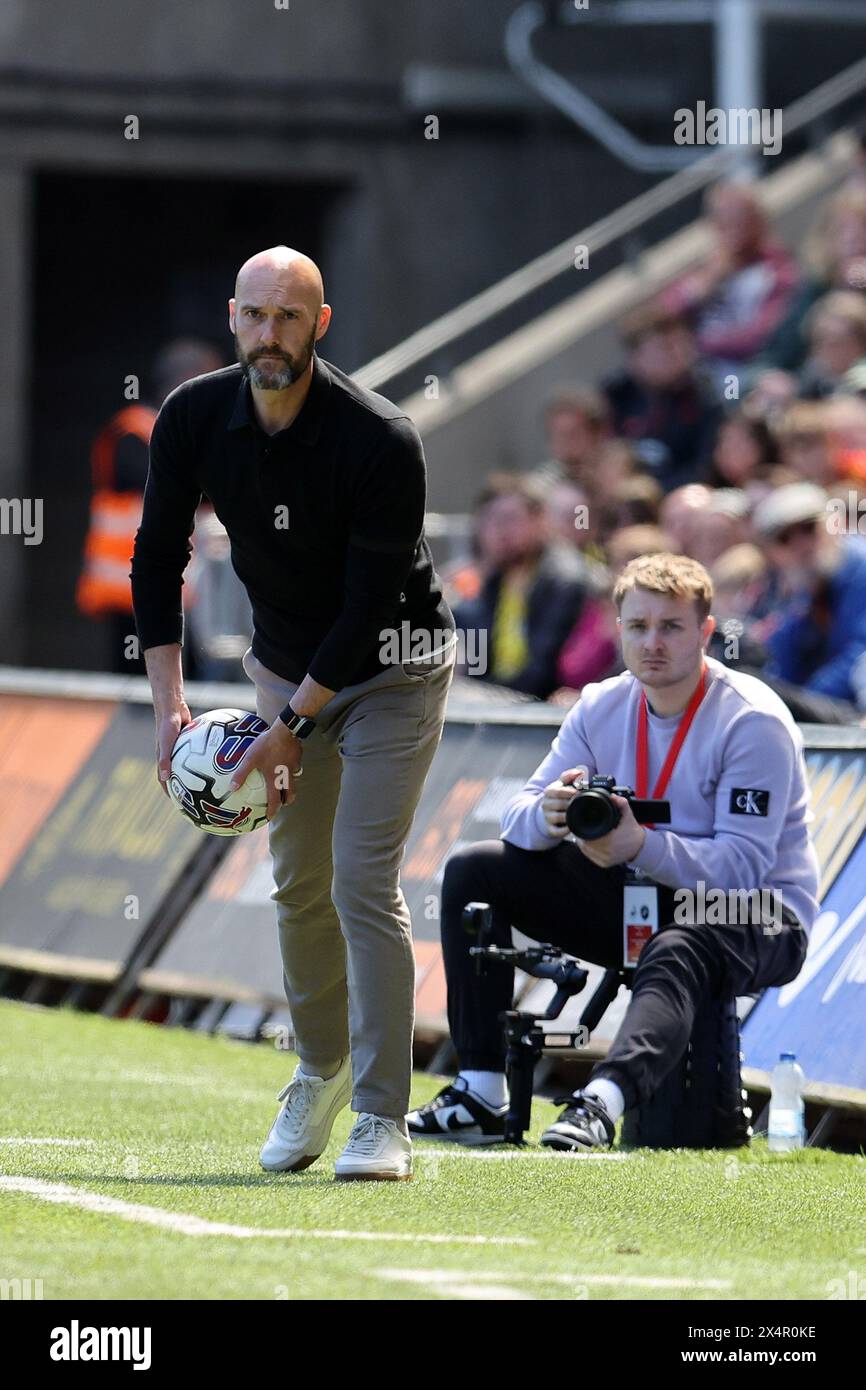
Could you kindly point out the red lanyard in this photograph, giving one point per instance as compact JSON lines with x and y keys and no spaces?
{"x":642,"y":756}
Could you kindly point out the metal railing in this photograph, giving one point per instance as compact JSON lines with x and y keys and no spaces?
{"x":738,"y":44}
{"x":481,"y":308}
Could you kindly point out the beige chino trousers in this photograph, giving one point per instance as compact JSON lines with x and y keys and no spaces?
{"x":345,"y":930}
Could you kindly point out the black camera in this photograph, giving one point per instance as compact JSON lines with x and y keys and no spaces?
{"x":592,"y":812}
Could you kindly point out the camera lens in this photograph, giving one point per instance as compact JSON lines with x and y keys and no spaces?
{"x":591,"y":814}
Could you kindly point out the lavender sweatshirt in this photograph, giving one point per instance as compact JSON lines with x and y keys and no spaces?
{"x":739,"y":794}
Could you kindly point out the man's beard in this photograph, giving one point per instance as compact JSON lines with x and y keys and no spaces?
{"x":273,"y":378}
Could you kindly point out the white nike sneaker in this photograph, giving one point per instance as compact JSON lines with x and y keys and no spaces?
{"x":377,"y":1150}
{"x":301,"y":1131}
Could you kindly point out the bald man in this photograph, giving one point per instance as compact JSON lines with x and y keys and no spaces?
{"x":321,"y":487}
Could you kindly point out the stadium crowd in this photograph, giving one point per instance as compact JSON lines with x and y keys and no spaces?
{"x":734,"y":432}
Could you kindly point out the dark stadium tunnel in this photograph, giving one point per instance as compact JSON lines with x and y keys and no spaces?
{"x":119,"y":269}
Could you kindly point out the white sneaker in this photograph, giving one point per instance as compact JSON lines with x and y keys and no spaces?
{"x":377,"y":1150}
{"x":301,"y":1131}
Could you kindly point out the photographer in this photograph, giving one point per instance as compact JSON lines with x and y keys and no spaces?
{"x":723,"y":750}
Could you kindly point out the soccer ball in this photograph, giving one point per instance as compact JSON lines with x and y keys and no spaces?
{"x":204,"y":756}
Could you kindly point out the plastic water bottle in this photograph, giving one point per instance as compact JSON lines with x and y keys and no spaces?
{"x":786,"y":1129}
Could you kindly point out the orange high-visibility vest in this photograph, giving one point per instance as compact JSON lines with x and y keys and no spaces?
{"x":103,"y":586}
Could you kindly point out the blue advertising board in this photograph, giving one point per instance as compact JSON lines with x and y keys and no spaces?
{"x":821,"y":1015}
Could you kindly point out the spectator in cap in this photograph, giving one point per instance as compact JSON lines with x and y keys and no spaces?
{"x":815,"y":633}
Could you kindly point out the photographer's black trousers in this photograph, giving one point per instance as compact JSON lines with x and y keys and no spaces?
{"x":560,"y":896}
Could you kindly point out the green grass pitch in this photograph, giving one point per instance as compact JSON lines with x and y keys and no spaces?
{"x":160,"y":1132}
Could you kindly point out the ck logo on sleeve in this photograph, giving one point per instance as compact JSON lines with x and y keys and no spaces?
{"x":747,"y":801}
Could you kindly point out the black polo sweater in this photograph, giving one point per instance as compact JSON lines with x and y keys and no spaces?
{"x":325,"y":518}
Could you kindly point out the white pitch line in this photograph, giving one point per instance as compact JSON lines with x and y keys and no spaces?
{"x":60,"y":1143}
{"x":490,"y":1293}
{"x":183,"y":1223}
{"x":459,"y":1283}
{"x":642,"y":1281}
{"x":463,"y":1287}
{"x":453,"y":1278}
{"x":486,"y":1288}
